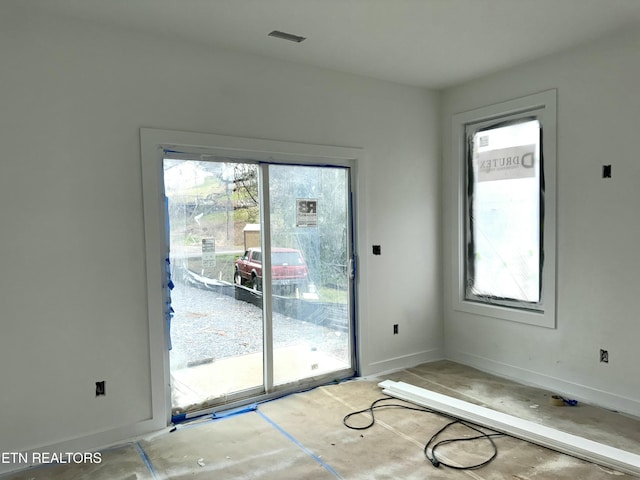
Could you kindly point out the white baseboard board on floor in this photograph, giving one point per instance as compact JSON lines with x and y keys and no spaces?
{"x":601,"y":454}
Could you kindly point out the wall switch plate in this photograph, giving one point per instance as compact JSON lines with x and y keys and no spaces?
{"x":377,"y":250}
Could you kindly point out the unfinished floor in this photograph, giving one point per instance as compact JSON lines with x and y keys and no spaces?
{"x":302,"y":436}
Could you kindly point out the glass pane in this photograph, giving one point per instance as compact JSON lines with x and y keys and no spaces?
{"x":311,"y":287}
{"x":216,"y":332}
{"x":505,"y":213}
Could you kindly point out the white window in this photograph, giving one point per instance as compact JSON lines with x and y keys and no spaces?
{"x":506,"y":237}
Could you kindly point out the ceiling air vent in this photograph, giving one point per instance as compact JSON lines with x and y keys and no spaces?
{"x":287,"y":36}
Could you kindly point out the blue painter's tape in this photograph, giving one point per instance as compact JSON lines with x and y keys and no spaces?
{"x":182,"y":417}
{"x":147,"y":461}
{"x":234,"y":412}
{"x":178,"y":418}
{"x":325,"y":465}
{"x":170,"y":285}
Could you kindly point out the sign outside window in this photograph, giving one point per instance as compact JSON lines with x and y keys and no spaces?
{"x":208,"y":252}
{"x":306,"y":212}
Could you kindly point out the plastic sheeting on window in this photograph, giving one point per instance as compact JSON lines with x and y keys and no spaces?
{"x":505,"y":213}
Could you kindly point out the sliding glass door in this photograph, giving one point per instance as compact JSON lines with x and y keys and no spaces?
{"x":262,"y":289}
{"x":310,"y":245}
{"x":216,"y":337}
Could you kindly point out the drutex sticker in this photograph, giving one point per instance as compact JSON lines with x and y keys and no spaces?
{"x":505,"y":163}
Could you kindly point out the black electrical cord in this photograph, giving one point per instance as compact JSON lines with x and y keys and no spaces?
{"x":374,"y":406}
{"x":483,"y":436}
{"x":436,"y":462}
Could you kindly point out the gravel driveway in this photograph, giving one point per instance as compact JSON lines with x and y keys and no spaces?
{"x":208,"y":325}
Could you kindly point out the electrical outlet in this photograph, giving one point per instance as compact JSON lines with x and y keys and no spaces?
{"x":606,"y":171}
{"x":604,"y":356}
{"x":100,"y":388}
{"x":395,"y":328}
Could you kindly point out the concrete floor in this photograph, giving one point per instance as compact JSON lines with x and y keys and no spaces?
{"x":200,"y":387}
{"x":302,"y":436}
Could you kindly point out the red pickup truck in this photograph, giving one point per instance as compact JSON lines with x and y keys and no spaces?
{"x":288,"y":269}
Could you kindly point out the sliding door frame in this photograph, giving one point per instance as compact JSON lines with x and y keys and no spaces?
{"x":154,"y":145}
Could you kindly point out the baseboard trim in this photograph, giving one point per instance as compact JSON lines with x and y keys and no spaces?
{"x":557,"y":385}
{"x":404,"y":361}
{"x":89,"y":443}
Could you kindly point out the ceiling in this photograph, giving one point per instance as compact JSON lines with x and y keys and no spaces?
{"x":427,"y":43}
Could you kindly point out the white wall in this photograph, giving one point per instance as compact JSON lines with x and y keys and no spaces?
{"x":598,"y":229}
{"x":73,"y":286}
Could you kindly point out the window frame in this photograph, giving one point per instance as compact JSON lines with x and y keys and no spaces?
{"x":542,"y":106}
{"x":153,"y":144}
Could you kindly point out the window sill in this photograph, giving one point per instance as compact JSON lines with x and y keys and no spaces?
{"x":530,"y":317}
